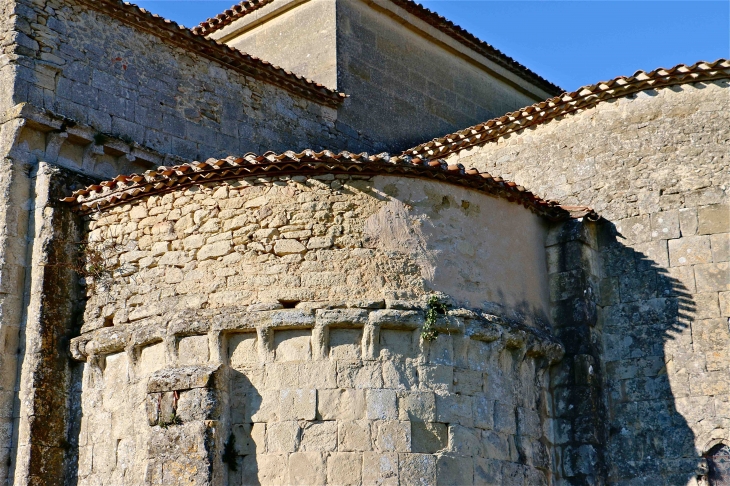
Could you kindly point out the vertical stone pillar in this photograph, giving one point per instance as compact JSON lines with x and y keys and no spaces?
{"x":52,"y":302}
{"x":15,"y":190}
{"x":577,"y":408}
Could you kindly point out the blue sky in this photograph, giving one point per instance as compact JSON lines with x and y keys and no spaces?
{"x":571,"y":43}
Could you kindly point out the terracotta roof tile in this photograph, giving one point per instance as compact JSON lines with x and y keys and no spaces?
{"x":233,"y":58}
{"x":430,"y":17}
{"x":123,"y":189}
{"x":228,"y":16}
{"x":585,"y":97}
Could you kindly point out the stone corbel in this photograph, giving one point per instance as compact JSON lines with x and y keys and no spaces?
{"x":91,"y":156}
{"x":54,"y":142}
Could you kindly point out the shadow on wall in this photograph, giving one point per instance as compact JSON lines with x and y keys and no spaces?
{"x":645,"y":316}
{"x":247,"y":436}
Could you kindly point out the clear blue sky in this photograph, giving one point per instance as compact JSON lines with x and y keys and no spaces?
{"x":571,"y":43}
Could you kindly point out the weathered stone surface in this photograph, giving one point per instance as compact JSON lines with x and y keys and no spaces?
{"x":690,"y":251}
{"x":319,"y":436}
{"x":341,"y":404}
{"x":298,"y":404}
{"x":344,"y":395}
{"x":380,"y":468}
{"x":392,"y":436}
{"x":307,"y":468}
{"x":282,"y":436}
{"x":417,"y":469}
{"x":455,"y":409}
{"x":428,"y":437}
{"x":344,"y":468}
{"x":454,"y":470}
{"x":354,"y":436}
{"x":288,"y":247}
{"x":714,"y":219}
{"x":181,"y":378}
{"x":416,"y":406}
{"x":381,"y":405}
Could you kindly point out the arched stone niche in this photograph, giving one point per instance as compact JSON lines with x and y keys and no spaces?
{"x":269,"y":331}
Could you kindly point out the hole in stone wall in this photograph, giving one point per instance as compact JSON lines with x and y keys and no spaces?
{"x":109,"y":321}
{"x":289,"y":304}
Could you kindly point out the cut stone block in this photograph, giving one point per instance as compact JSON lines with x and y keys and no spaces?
{"x":319,"y":436}
{"x":344,"y":469}
{"x":297,"y":404}
{"x":354,"y":436}
{"x":428,"y":437}
{"x":417,"y":469}
{"x":380,"y":468}
{"x":307,"y":468}
{"x":392,"y":436}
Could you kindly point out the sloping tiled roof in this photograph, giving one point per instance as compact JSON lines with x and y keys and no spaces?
{"x":585,"y":97}
{"x":228,"y":16}
{"x":230,"y":57}
{"x":124,"y":189}
{"x":430,"y":17}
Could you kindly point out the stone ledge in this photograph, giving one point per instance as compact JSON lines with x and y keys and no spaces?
{"x":474,"y":324}
{"x":185,"y":378}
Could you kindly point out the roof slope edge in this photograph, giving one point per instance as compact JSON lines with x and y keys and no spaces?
{"x":432,"y":18}
{"x":585,"y":97}
{"x":124,"y":189}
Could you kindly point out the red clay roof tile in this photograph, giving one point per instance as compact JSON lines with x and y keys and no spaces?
{"x":585,"y":97}
{"x":123,"y":189}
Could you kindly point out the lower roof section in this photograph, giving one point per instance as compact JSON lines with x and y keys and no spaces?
{"x":124,"y":189}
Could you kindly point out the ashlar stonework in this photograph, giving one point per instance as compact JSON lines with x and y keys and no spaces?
{"x":218,"y":317}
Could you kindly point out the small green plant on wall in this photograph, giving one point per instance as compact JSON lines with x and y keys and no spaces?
{"x":434,"y":309}
{"x":98,"y":264}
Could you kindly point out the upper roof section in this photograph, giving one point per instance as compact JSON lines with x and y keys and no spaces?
{"x":430,"y":17}
{"x":124,"y":189}
{"x":585,"y":97}
{"x":183,"y":37}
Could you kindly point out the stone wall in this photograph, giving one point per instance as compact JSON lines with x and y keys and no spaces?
{"x":331,"y":396}
{"x":130,"y":79}
{"x":655,"y":165}
{"x":312,"y":49}
{"x":325,"y":239}
{"x":406,"y":81}
{"x":394,"y":72}
{"x":271,"y":329}
{"x":38,"y":241}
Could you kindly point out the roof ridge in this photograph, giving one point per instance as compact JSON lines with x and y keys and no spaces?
{"x":431,"y":17}
{"x":251,"y":65}
{"x":123,"y":189}
{"x":582,"y":98}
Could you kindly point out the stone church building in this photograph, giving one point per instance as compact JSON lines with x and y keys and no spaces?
{"x":345,"y":242}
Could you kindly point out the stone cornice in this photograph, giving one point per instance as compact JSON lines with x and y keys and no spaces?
{"x":474,"y":324}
